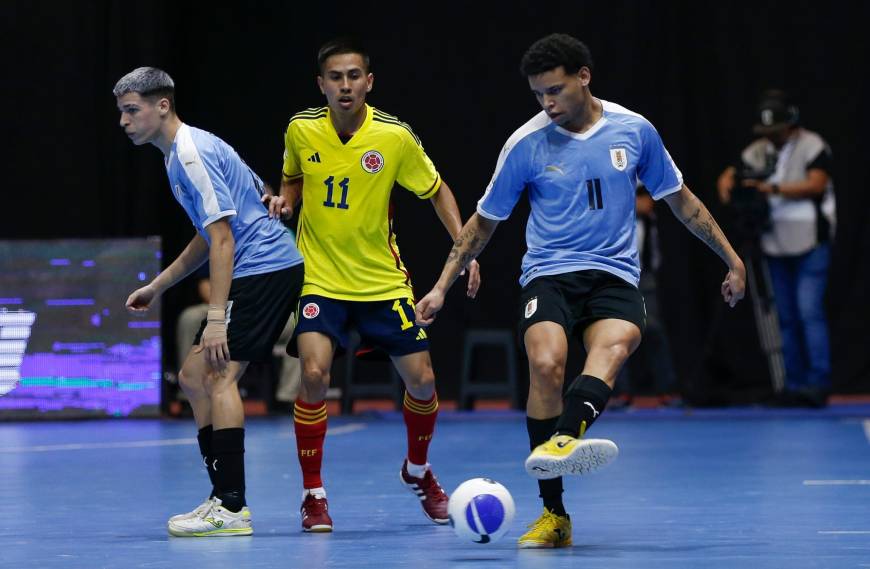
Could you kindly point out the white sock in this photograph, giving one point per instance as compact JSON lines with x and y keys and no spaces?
{"x":417,"y":470}
{"x":316,"y":492}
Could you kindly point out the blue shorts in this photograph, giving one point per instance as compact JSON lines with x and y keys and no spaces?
{"x":386,"y":325}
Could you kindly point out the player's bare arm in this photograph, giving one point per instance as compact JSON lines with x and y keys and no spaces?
{"x":284,"y":204}
{"x":697,"y":219}
{"x":193,"y":256}
{"x":445,"y":206}
{"x":220,"y":258}
{"x":471,"y":241}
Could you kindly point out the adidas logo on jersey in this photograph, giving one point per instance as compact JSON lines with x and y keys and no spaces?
{"x":314,"y":157}
{"x":421,"y":335}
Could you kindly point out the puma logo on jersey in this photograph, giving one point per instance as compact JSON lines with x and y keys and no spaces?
{"x":314,"y":157}
{"x":551,"y":168}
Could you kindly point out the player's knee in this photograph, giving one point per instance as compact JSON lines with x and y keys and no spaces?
{"x":422,"y":382}
{"x":546,"y":369}
{"x":546,"y":380}
{"x":616,"y":352}
{"x":189,"y":381}
{"x":218,"y":382}
{"x":314,"y":375}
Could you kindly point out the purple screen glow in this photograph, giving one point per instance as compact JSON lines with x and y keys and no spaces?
{"x":67,"y":345}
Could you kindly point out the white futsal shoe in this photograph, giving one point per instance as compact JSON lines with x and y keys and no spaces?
{"x":197,"y":511}
{"x":216,"y":521}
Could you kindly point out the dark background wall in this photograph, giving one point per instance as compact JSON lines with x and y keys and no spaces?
{"x":242,"y":69}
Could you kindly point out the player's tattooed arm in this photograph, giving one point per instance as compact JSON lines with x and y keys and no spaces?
{"x":694,"y":215}
{"x":466,"y":248}
{"x":471,"y":241}
{"x":448,"y":212}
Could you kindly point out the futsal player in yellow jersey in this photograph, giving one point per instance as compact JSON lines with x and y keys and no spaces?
{"x":342,"y":161}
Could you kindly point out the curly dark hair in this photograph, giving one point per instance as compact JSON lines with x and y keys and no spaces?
{"x":554,"y":51}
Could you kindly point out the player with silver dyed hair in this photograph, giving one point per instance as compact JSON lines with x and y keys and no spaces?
{"x":148,"y":82}
{"x":251,"y":256}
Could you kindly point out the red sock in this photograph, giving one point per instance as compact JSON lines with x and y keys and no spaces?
{"x":420,"y":421}
{"x":309,"y":420}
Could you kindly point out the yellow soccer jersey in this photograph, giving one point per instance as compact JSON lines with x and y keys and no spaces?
{"x":345,"y":228}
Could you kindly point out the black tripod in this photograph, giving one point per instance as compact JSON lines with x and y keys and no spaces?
{"x":760,"y":291}
{"x":766,"y":319}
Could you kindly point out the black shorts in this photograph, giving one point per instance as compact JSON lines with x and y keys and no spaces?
{"x":576,"y":300}
{"x":384,"y":325}
{"x":257,"y":311}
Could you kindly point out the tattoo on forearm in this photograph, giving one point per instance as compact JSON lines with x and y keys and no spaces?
{"x":466,"y":247}
{"x":702,"y":224}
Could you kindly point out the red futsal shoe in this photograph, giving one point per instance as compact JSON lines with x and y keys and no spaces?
{"x":315,"y":515}
{"x":432,"y":496}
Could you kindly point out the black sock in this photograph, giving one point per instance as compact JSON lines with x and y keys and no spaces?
{"x":584,"y":402}
{"x":204,"y":439}
{"x":540,"y":430}
{"x":228,"y":449}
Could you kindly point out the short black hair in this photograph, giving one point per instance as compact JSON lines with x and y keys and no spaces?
{"x":556,"y":50}
{"x":339,"y":46}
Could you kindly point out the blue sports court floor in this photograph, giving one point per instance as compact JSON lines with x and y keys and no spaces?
{"x":728,"y":488}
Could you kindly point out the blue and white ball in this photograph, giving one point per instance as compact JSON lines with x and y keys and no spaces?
{"x":481,"y":510}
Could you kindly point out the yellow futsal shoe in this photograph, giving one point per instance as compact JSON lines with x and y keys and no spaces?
{"x":548,"y":531}
{"x":564,"y":454}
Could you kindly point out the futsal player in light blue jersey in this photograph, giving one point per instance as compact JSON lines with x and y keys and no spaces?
{"x":255,"y":272}
{"x":579,"y":160}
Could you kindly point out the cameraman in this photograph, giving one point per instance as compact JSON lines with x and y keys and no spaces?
{"x":796,"y":242}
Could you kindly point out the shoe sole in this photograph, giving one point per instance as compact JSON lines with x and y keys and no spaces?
{"x":588,"y":455}
{"x":318,"y":529}
{"x":214,"y":533}
{"x":543,"y":545}
{"x":439,"y":521}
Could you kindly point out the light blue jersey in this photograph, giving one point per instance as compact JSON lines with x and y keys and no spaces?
{"x":581,"y":190}
{"x":211,"y":182}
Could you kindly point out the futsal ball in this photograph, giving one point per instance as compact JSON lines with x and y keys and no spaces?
{"x":481,"y":510}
